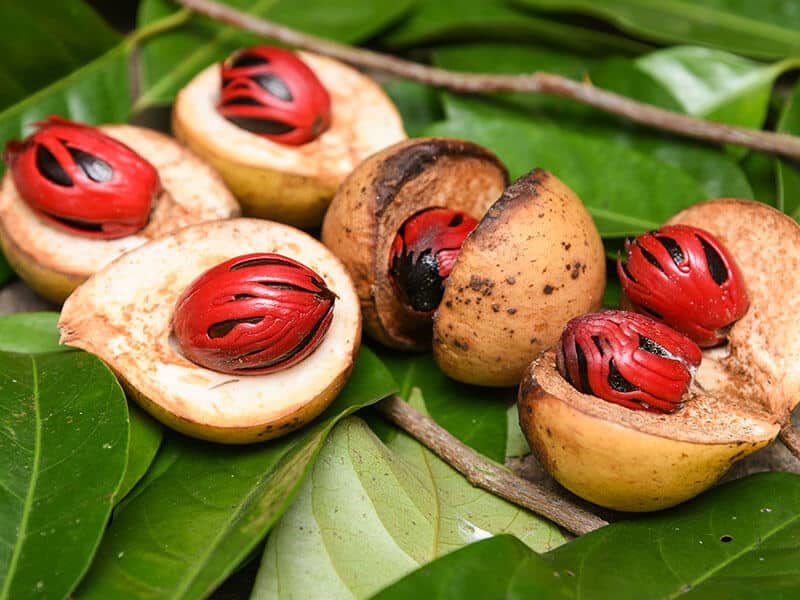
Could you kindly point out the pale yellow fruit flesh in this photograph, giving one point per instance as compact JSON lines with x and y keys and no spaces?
{"x":130,"y":327}
{"x":291,"y":184}
{"x":54,"y":261}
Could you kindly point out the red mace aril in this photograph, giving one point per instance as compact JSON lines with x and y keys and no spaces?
{"x":253,"y":314}
{"x":628,"y":359}
{"x":271,"y":92}
{"x":82,"y":180}
{"x":685,"y":277}
{"x":423,"y":253}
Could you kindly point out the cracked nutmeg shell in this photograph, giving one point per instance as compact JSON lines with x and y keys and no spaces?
{"x":54,"y":254}
{"x":254,"y":314}
{"x":743,"y":391}
{"x":271,"y":179}
{"x":136,"y":330}
{"x":685,"y":277}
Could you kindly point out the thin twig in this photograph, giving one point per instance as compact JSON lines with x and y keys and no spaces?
{"x":483,"y":473}
{"x":538,"y":82}
{"x":791,"y":437}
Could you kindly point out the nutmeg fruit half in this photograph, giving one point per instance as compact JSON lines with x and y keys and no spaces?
{"x":53,"y":257}
{"x":127,"y":314}
{"x":743,"y":390}
{"x":272,"y":179}
{"x":534,"y":260}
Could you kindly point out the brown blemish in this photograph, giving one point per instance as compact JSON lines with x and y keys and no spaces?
{"x":548,"y":289}
{"x":496,"y":307}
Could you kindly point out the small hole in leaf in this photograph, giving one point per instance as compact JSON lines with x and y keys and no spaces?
{"x":726,"y":538}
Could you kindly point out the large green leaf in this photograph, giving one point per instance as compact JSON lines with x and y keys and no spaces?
{"x":45,"y":40}
{"x":788,"y":172}
{"x":436,"y":22}
{"x":475,"y":415}
{"x":765,"y":29}
{"x":169,"y":61}
{"x":203,"y":507}
{"x":63,"y":443}
{"x":370,"y":513}
{"x":30,"y":333}
{"x":419,"y":104}
{"x":740,"y":540}
{"x":144,"y":441}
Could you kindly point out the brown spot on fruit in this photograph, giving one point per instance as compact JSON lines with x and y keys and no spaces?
{"x":548,"y":289}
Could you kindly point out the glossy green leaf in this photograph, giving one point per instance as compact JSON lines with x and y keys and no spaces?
{"x":475,"y":415}
{"x":419,"y":105}
{"x":788,"y":172}
{"x":201,"y":508}
{"x":44,"y":40}
{"x":95,"y":93}
{"x":31,"y":333}
{"x":144,"y":441}
{"x":370,"y":513}
{"x":516,"y":444}
{"x":760,"y":170}
{"x":740,"y":540}
{"x":765,"y":29}
{"x":170,"y":60}
{"x":436,"y":22}
{"x":63,"y":443}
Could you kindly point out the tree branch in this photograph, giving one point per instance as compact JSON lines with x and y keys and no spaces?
{"x":539,"y":82}
{"x":483,"y":473}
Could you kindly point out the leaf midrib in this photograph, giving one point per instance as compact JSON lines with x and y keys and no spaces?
{"x":21,"y":535}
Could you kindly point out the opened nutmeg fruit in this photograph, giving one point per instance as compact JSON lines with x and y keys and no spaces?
{"x":233,"y":331}
{"x":616,"y":412}
{"x":284,"y":128}
{"x":444,"y":254}
{"x":76,"y":197}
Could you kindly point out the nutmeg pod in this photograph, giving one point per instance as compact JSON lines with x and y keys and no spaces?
{"x":534,"y":262}
{"x":379,"y":196}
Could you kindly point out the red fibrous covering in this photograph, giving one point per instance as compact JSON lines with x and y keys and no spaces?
{"x":685,"y":277}
{"x":253,"y":314}
{"x":423,"y":253}
{"x":271,"y":92}
{"x":81,"y":180}
{"x":628,"y":359}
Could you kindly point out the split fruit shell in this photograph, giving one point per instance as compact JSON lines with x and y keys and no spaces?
{"x":124,"y":313}
{"x":534,"y":261}
{"x":54,"y":261}
{"x":291,"y":184}
{"x":743,"y":391}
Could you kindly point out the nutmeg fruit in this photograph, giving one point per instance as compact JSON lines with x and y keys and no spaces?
{"x":55,"y":256}
{"x":741,"y":395}
{"x":126,"y":312}
{"x":288,"y":183}
{"x":534,"y":260}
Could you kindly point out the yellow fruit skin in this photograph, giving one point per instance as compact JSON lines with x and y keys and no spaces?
{"x":262,"y":192}
{"x":52,"y":285}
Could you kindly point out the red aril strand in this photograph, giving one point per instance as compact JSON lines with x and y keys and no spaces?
{"x":685,"y":277}
{"x":628,"y":359}
{"x":254,"y":314}
{"x":423,"y":253}
{"x":81,"y":180}
{"x":271,"y":92}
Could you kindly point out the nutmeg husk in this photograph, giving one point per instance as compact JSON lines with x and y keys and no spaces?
{"x":290,"y":184}
{"x":123,"y":314}
{"x":54,"y":262}
{"x":743,"y":391}
{"x":379,"y":196}
{"x":534,"y":262}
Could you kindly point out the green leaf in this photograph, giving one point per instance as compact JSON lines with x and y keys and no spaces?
{"x":788,"y":172}
{"x":475,"y":415}
{"x":201,"y":508}
{"x":170,"y":60}
{"x":30,"y":333}
{"x":516,"y":444}
{"x":144,"y":441}
{"x":740,"y":540}
{"x":63,"y":442}
{"x":497,"y":568}
{"x":96,"y":93}
{"x":766,"y":29}
{"x":370,"y":513}
{"x":760,"y":170}
{"x":45,"y":40}
{"x":436,"y":22}
{"x":419,"y":105}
